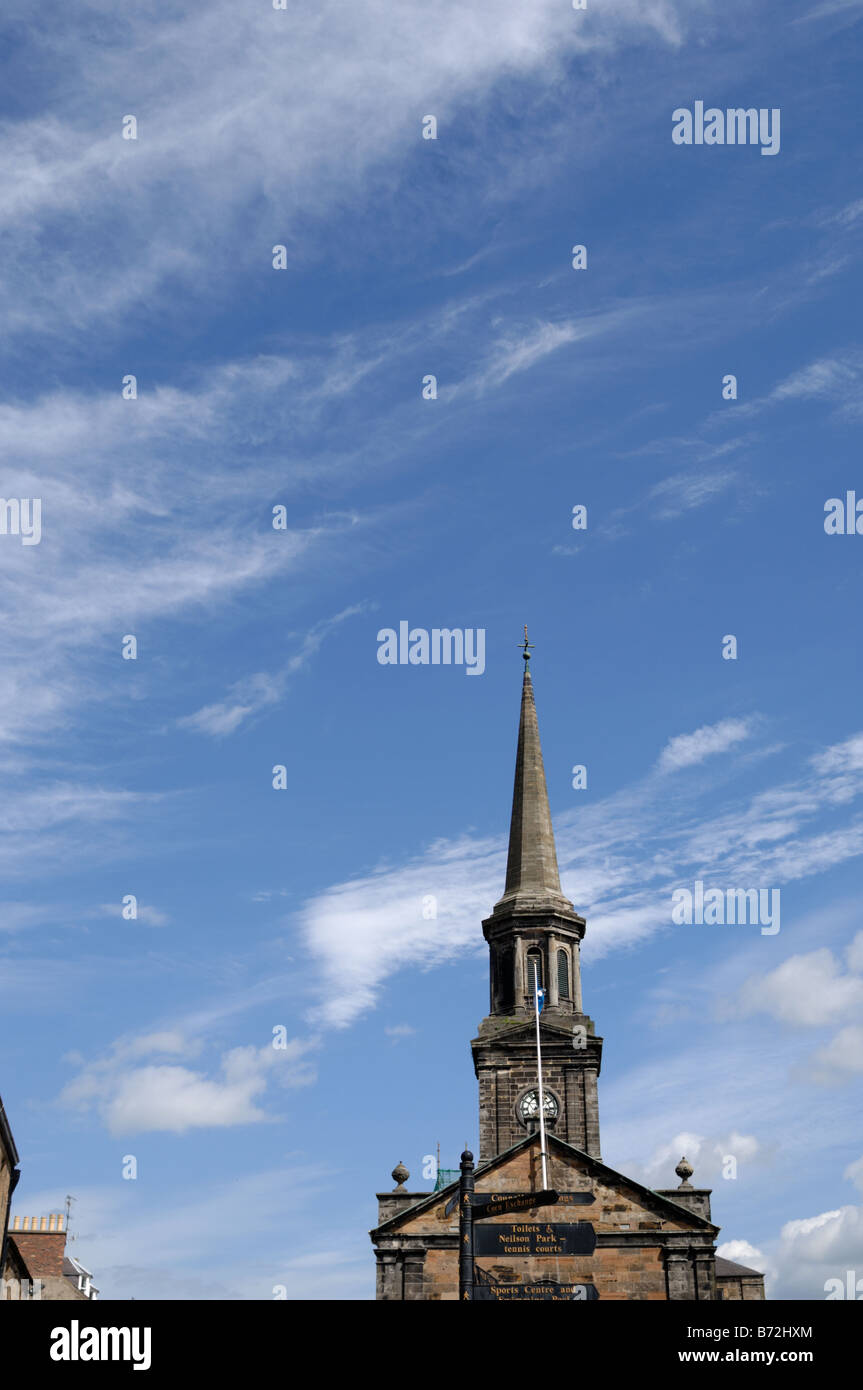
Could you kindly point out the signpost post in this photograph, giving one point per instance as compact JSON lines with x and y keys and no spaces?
{"x":465,"y":1228}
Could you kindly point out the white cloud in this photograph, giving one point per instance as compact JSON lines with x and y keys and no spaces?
{"x":245,"y":697}
{"x":837,"y":380}
{"x":686,"y":750}
{"x":346,"y":927}
{"x":133,"y":1099}
{"x":827,"y":377}
{"x":841,"y":1057}
{"x":519,"y":347}
{"x":686,"y":491}
{"x":809,"y":1252}
{"x":175,"y":1099}
{"x":842,"y":759}
{"x":742,"y":1253}
{"x":805,"y":990}
{"x":815,"y":1249}
{"x":852,"y":212}
{"x":706,"y":1154}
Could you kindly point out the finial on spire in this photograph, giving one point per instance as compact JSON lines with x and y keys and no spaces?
{"x":525,"y":645}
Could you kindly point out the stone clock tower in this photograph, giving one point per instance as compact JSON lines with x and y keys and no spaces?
{"x":534,"y":930}
{"x":650,"y":1244}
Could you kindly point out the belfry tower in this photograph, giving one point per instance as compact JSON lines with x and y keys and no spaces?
{"x":535,"y":931}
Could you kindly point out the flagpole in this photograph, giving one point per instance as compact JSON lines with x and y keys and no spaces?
{"x":539,"y":1072}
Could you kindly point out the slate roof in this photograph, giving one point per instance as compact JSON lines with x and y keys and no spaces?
{"x":728,"y":1269}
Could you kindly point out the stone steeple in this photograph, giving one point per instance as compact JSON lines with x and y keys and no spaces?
{"x":532,"y":876}
{"x":534,"y":931}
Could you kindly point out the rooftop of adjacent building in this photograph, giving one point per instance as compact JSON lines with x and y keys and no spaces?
{"x":39,"y":1245}
{"x":52,"y":1225}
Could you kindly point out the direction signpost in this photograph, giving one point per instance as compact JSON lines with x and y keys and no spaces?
{"x":535,"y":1238}
{"x":542,"y":1291}
{"x":531,"y":1238}
{"x":502,"y":1203}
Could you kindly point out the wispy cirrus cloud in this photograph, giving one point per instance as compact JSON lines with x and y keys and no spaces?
{"x":680,"y":493}
{"x":836,"y":380}
{"x":687,"y":750}
{"x":425,"y":912}
{"x":519,"y":347}
{"x":58,"y":817}
{"x":254,"y":693}
{"x":684,"y":492}
{"x":293,"y":113}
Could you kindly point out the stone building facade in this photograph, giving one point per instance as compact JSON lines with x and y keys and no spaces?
{"x":656,"y":1245}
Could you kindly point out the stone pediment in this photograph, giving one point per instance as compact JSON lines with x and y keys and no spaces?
{"x":621,"y":1206}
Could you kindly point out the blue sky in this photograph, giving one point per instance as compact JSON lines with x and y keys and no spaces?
{"x":302,"y":908}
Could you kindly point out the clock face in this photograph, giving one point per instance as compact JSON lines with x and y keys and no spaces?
{"x":528,"y":1106}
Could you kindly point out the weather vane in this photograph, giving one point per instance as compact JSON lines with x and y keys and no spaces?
{"x":526,"y":645}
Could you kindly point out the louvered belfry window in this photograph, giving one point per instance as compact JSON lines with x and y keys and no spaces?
{"x":534,"y":968}
{"x":563,"y":974}
{"x":505,"y":981}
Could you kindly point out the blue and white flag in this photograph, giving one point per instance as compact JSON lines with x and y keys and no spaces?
{"x":540,"y":999}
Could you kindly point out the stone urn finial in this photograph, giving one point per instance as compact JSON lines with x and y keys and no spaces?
{"x":401,"y":1175}
{"x":684,"y":1171}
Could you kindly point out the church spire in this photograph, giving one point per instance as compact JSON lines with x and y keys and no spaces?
{"x":534,"y":934}
{"x":532,"y":877}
